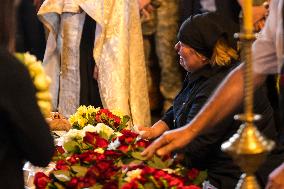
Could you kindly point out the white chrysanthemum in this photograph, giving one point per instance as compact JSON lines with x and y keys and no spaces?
{"x":74,"y":134}
{"x":99,"y":150}
{"x":114,"y":145}
{"x":100,"y":127}
{"x":130,"y":175}
{"x":89,"y":128}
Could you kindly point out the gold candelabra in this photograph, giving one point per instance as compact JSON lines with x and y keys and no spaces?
{"x":248,"y":146}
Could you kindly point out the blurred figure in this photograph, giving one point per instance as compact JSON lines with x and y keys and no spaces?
{"x":117,"y":52}
{"x":159,"y":29}
{"x":24,"y":133}
{"x":30,"y":34}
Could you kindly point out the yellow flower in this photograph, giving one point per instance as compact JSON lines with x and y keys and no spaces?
{"x":99,"y":150}
{"x":92,"y":109}
{"x":29,"y":59}
{"x":117,"y":113}
{"x":41,"y":82}
{"x":82,"y":122}
{"x":40,"y":79}
{"x":82,"y":110}
{"x":35,"y":68}
{"x":72,"y":119}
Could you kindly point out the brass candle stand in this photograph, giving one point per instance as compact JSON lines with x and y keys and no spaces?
{"x":248,"y":146}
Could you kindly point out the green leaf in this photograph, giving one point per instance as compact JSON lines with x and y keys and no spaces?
{"x":97,"y":186}
{"x":71,"y":146}
{"x":58,"y":186}
{"x":200,"y":178}
{"x":119,"y":163}
{"x":62,"y":175}
{"x":125,"y":119}
{"x":79,"y":170}
{"x":149,"y":185}
{"x":154,"y":181}
{"x":137,"y":155}
{"x":165,"y":183}
{"x":140,"y":186}
{"x":157,"y":163}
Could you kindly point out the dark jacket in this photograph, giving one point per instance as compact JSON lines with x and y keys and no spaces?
{"x":24,"y":133}
{"x":30,"y":35}
{"x":229,"y":8}
{"x":204,"y":152}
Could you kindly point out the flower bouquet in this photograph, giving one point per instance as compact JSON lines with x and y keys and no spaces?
{"x":91,"y":116}
{"x":107,"y":156}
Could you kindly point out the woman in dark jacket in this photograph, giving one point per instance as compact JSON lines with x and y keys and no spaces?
{"x":207,"y":52}
{"x":24,"y":134}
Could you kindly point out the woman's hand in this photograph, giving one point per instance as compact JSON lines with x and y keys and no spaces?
{"x":153,"y":132}
{"x":169,"y":141}
{"x":276,"y":178}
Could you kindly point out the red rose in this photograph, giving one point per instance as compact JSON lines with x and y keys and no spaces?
{"x":160,"y":174}
{"x":123,"y":148}
{"x":104,"y":164}
{"x":60,"y":149}
{"x":111,"y":185}
{"x":106,"y":111}
{"x":73,"y":159}
{"x":117,"y":120}
{"x":61,"y":165}
{"x":142,"y":143}
{"x":73,"y":183}
{"x":101,"y":142}
{"x":88,"y":156}
{"x":128,"y":137}
{"x":175,"y":182}
{"x":131,"y":185}
{"x":113,"y":154}
{"x":41,"y":180}
{"x":192,"y":174}
{"x":98,"y":118}
{"x":148,"y":170}
{"x":93,"y":173}
{"x":89,"y":137}
{"x":191,"y":187}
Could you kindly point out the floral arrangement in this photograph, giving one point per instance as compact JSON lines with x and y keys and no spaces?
{"x":101,"y":157}
{"x":91,"y":116}
{"x":40,"y":79}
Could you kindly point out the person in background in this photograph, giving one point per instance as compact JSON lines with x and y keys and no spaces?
{"x":268,"y":56}
{"x":108,"y":33}
{"x":208,"y":52}
{"x":24,"y":135}
{"x":160,"y":21}
{"x":30,"y":35}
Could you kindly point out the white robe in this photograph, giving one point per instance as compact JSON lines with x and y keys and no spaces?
{"x":118,"y":53}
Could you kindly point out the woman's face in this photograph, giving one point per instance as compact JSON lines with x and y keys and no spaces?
{"x":189,"y":59}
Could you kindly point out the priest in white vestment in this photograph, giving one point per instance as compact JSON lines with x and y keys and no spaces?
{"x":118,"y":53}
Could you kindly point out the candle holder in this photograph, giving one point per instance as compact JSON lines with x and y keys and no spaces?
{"x":248,"y":147}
